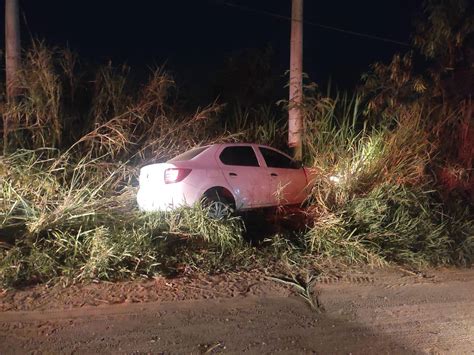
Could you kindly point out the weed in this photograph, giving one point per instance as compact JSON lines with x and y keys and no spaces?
{"x":304,"y":287}
{"x":67,"y":206}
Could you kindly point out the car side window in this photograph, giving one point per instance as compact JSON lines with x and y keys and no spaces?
{"x":277,"y":160}
{"x":241,"y":156}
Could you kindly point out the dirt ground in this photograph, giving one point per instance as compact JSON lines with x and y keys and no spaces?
{"x":370,"y":311}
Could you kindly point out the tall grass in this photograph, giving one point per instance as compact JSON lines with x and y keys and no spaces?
{"x":394,"y":223}
{"x":123,"y":249}
{"x":67,"y":209}
{"x":36,"y":117}
{"x":78,"y":220}
{"x":373,"y":193}
{"x":259,"y":125}
{"x":44,"y":189}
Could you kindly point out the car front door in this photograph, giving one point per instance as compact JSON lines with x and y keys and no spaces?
{"x":288,"y":179}
{"x":248,"y":180}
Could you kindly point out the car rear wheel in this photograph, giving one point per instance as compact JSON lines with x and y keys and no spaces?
{"x":218,"y":207}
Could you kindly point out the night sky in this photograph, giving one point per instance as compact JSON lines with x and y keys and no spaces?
{"x":194,"y":37}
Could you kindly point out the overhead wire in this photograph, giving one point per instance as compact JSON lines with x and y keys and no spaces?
{"x":312,"y":23}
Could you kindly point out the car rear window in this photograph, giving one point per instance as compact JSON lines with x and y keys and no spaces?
{"x":190,"y":154}
{"x":241,"y":156}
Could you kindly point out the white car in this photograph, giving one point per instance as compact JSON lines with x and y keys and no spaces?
{"x":228,"y":176}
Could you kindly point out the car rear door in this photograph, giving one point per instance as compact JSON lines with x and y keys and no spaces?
{"x":287,"y":178}
{"x":248,"y":180}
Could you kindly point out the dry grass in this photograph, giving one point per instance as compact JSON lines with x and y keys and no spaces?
{"x":67,"y":203}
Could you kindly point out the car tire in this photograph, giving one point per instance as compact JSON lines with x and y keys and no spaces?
{"x":218,"y":207}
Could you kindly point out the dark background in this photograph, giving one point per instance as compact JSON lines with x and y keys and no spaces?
{"x":195,"y":37}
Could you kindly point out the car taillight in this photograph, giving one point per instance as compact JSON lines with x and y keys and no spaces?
{"x":173,"y":175}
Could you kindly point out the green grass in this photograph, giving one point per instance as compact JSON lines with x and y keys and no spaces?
{"x":77,"y":219}
{"x":67,"y":203}
{"x":394,"y":224}
{"x":143,"y":246}
{"x":384,"y":206}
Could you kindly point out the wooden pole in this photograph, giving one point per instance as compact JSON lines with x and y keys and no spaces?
{"x":295,"y":114}
{"x":12,"y":58}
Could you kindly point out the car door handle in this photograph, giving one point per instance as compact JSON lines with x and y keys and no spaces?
{"x":232,"y":174}
{"x":273,"y":174}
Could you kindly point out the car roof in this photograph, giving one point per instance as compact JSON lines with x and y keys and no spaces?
{"x":240,"y":144}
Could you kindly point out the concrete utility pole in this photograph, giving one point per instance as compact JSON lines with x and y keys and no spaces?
{"x":12,"y":46}
{"x":12,"y":59}
{"x":295,"y":114}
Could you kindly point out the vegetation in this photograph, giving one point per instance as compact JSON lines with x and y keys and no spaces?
{"x":393,"y":161}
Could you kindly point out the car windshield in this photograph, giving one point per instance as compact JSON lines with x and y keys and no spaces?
{"x":190,"y":154}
